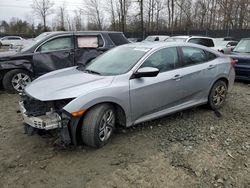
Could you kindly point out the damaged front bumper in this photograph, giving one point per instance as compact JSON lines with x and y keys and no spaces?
{"x":39,"y":115}
{"x":51,"y":120}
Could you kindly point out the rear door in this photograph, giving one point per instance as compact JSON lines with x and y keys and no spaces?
{"x":88,"y":47}
{"x":198,"y":72}
{"x":153,"y":94}
{"x":55,"y":53}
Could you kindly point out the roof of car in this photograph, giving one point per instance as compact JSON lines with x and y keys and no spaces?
{"x":79,"y":32}
{"x":157,"y":45}
{"x":158,"y":36}
{"x":11,"y":36}
{"x":160,"y":44}
{"x":187,"y":36}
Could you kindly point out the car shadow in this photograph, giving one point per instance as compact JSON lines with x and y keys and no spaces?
{"x":242,"y":81}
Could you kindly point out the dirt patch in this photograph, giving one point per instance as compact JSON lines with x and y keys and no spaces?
{"x":194,"y":148}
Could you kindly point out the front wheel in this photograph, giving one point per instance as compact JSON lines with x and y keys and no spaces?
{"x":15,"y":80}
{"x":98,"y":125}
{"x":217,"y":95}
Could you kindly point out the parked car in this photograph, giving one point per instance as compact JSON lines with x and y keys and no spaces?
{"x":205,"y":41}
{"x":241,"y":53}
{"x":55,"y":50}
{"x":153,"y":38}
{"x":11,"y":41}
{"x":125,"y":86}
{"x":134,"y":39}
{"x":225,"y":46}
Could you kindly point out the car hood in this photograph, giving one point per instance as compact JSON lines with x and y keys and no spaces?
{"x":65,"y":84}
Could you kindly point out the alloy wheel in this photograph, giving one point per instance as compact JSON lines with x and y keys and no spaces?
{"x":106,"y":125}
{"x":19,"y":81}
{"x":219,"y":95}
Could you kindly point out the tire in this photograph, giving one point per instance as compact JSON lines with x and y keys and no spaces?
{"x":15,"y":80}
{"x":217,"y":95}
{"x":95,"y":132}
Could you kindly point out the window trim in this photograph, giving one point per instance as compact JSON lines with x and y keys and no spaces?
{"x":182,"y":56}
{"x":52,"y":38}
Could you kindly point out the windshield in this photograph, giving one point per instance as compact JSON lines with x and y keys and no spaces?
{"x":243,"y":46}
{"x":116,"y":61}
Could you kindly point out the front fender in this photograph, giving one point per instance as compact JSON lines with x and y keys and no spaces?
{"x":117,"y":95}
{"x":17,"y":64}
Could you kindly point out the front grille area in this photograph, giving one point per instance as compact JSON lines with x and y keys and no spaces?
{"x":38,"y":108}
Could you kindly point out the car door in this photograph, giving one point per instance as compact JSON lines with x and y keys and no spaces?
{"x":55,"y":53}
{"x":150,"y":95}
{"x":198,"y":72}
{"x":88,"y":47}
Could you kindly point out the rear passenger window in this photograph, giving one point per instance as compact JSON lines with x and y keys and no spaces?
{"x":118,"y":38}
{"x":208,"y":42}
{"x":164,"y":59}
{"x":211,"y":56}
{"x":14,"y":38}
{"x":202,"y":41}
{"x":193,"y":56}
{"x":89,"y":41}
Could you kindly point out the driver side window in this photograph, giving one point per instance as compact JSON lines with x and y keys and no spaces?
{"x":61,"y":43}
{"x":164,"y":59}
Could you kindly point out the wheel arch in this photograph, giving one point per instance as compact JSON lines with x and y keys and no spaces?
{"x":4,"y":71}
{"x":223,"y":78}
{"x":120,"y":112}
{"x":120,"y":118}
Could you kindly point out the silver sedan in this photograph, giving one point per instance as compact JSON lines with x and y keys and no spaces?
{"x":125,"y":86}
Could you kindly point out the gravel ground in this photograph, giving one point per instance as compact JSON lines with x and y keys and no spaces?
{"x":193,"y":148}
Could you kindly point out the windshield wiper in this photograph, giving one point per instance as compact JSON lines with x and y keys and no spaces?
{"x":91,"y":71}
{"x":80,"y":66}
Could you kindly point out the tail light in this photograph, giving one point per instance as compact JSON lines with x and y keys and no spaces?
{"x":233,"y":61}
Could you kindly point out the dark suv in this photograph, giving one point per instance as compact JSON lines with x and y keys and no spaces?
{"x":52,"y":51}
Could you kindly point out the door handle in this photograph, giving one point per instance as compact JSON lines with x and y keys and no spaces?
{"x":177,"y":77}
{"x":69,"y":53}
{"x":211,"y":67}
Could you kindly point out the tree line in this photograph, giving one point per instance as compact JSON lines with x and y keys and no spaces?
{"x":137,"y":16}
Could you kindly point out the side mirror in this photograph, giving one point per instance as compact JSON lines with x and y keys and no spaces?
{"x":146,"y":72}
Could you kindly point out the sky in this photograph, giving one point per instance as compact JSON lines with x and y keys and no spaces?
{"x":22,"y":9}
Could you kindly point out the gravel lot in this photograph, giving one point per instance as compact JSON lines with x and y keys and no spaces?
{"x":194,"y":148}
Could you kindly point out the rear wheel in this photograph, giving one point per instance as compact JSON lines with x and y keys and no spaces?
{"x":217,"y":96}
{"x":98,"y":125}
{"x":15,"y":80}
